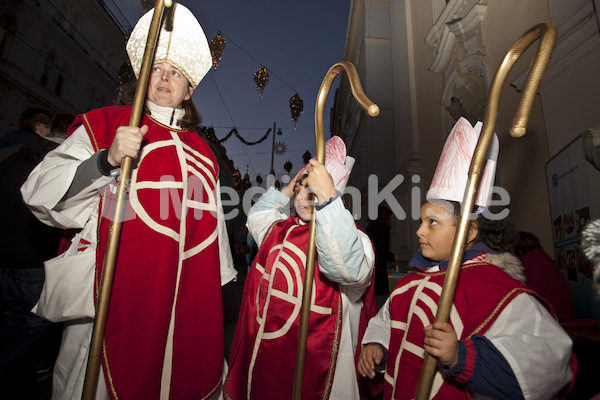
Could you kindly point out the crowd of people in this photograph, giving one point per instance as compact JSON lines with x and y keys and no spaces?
{"x":164,"y":334}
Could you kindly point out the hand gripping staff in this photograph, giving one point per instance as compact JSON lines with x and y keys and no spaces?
{"x":108,"y":269}
{"x":373,"y":110}
{"x":547,"y":34}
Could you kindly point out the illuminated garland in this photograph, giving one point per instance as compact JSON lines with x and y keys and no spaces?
{"x":217,"y":45}
{"x":261,"y":79}
{"x":210,"y":135}
{"x":296,"y":107}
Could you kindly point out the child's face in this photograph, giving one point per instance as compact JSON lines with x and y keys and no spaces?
{"x":301,"y":203}
{"x":436,"y":233}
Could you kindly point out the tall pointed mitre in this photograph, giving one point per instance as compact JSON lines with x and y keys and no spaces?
{"x":450,"y":179}
{"x":181,"y":42}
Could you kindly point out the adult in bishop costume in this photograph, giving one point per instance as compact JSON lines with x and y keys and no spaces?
{"x":263,"y":351}
{"x":502,"y":340}
{"x":164,"y":329}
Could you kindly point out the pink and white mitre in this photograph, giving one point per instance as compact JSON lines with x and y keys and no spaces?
{"x":450,"y":179}
{"x":338,"y":164}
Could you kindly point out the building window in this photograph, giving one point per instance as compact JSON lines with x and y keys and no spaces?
{"x":48,"y":69}
{"x":8,"y":27}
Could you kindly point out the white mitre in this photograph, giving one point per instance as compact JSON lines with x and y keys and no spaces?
{"x":185,"y":47}
{"x":451,"y":175}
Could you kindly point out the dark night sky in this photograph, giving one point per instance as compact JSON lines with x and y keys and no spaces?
{"x":297,"y":41}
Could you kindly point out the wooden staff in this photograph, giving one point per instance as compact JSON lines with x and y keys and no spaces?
{"x":108,"y":269}
{"x":547,"y":32}
{"x":373,"y":110}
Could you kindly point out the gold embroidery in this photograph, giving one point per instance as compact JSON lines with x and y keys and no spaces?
{"x":89,"y":129}
{"x":334,"y":352}
{"x":498,"y":308}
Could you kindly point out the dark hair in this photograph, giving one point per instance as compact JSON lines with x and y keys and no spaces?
{"x":526,"y":242}
{"x":33,"y":116}
{"x":60,"y":124}
{"x":499,"y":234}
{"x":190,"y":120}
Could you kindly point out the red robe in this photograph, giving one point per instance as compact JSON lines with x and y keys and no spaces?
{"x":263,"y":353}
{"x":164,"y":330}
{"x":482,"y":292}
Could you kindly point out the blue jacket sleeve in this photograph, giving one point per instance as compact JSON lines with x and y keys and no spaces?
{"x":483,"y":369}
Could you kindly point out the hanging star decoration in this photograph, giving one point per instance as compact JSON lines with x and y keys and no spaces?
{"x":288,"y":166}
{"x":306,"y":157}
{"x":237,"y":179}
{"x":217,"y":46}
{"x":126,"y":73}
{"x":261,"y":79}
{"x":280,"y":148}
{"x":296,"y":107}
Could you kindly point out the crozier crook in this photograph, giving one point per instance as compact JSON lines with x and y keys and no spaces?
{"x":373,"y":110}
{"x":547,"y":34}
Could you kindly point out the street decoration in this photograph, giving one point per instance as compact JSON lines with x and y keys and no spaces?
{"x":296,"y":107}
{"x":217,"y":46}
{"x":280,"y":148}
{"x":261,"y":79}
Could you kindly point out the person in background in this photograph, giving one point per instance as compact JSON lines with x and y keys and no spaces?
{"x":263,"y":352}
{"x":379,"y":233}
{"x":33,"y":123}
{"x":28,"y":343}
{"x":544,"y":276}
{"x":164,"y":335}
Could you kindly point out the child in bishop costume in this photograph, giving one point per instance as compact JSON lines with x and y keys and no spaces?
{"x":501,"y":340}
{"x":174,"y":253}
{"x":263,"y":352}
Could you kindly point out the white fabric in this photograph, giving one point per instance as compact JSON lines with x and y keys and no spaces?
{"x":185,"y":47}
{"x":42,"y":192}
{"x":536,"y":347}
{"x":451,"y":174}
{"x":344,"y":385}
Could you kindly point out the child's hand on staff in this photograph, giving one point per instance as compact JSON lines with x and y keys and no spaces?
{"x":319,"y":181}
{"x":441,"y":342}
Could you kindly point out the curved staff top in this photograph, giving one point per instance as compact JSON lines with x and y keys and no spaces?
{"x":373,"y":110}
{"x":547,"y":34}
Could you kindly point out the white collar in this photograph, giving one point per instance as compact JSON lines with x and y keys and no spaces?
{"x":164,"y":114}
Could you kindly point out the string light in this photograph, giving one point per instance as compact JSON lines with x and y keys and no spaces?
{"x":210,"y":135}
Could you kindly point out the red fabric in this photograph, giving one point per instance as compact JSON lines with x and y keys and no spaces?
{"x":482,"y":292}
{"x":368,"y":388}
{"x":263,"y":351}
{"x":544,"y":276}
{"x":156,"y":284}
{"x":470,"y":357}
